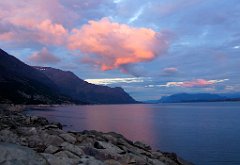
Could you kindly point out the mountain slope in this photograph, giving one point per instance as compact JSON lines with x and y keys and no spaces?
{"x":22,"y":84}
{"x":79,"y":89}
{"x":196,"y":97}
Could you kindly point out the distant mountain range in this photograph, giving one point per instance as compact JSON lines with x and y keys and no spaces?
{"x":23,"y":84}
{"x":197,"y":97}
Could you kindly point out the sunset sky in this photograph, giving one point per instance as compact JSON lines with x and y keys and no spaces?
{"x":151,"y":48}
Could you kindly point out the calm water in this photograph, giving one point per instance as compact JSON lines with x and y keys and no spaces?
{"x":204,"y":133}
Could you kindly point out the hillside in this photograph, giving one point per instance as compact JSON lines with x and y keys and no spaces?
{"x":78,"y":89}
{"x":22,"y":84}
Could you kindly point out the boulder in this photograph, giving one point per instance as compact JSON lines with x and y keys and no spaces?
{"x":54,"y":160}
{"x":142,"y":145}
{"x":68,"y":137}
{"x":110,"y":148}
{"x":27,"y":131}
{"x":51,"y":149}
{"x":72,"y":148}
{"x":52,"y":139}
{"x":111,"y":162}
{"x":8,"y":136}
{"x":15,"y":154}
{"x":89,"y":160}
{"x":67,"y":155}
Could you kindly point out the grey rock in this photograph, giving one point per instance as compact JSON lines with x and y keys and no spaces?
{"x":89,"y":160}
{"x":12,"y":154}
{"x":111,"y":162}
{"x":51,"y":149}
{"x":27,"y":131}
{"x":110,"y":138}
{"x":33,"y":141}
{"x":52,"y":139}
{"x":110,"y":148}
{"x":54,"y":131}
{"x":98,"y":145}
{"x":157,"y":162}
{"x":67,"y":155}
{"x":68,"y":137}
{"x":157,"y":155}
{"x":87,"y":141}
{"x":8,"y":136}
{"x":51,"y":126}
{"x":80,"y":138}
{"x":101,"y":154}
{"x":142,"y":145}
{"x":72,"y":148}
{"x":54,"y":160}
{"x":130,"y":159}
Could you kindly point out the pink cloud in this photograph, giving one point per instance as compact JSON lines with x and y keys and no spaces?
{"x":39,"y":21}
{"x":198,"y":83}
{"x":44,"y":32}
{"x":6,"y":36}
{"x":43,"y":57}
{"x":52,"y":33}
{"x":112,"y":45}
{"x":190,"y":84}
{"x":34,"y":11}
{"x":105,"y":44}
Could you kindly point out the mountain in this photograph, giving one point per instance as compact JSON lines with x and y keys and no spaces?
{"x":196,"y":97}
{"x":78,"y":89}
{"x":235,"y":95}
{"x":23,"y":84}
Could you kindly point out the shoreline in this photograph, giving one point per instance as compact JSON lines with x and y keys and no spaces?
{"x":47,"y":143}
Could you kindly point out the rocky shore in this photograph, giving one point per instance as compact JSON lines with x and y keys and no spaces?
{"x":34,"y":140}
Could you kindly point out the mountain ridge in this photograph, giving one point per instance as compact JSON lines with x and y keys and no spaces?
{"x":194,"y":97}
{"x":24,"y":84}
{"x":76,"y":88}
{"x":197,"y":97}
{"x":20,"y":83}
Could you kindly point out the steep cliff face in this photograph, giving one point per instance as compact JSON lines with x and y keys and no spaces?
{"x":22,"y":84}
{"x":78,"y":89}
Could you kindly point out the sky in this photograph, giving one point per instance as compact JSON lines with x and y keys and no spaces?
{"x":151,"y":48}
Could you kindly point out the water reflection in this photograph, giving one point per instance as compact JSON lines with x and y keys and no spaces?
{"x":119,"y":119}
{"x":135,"y":122}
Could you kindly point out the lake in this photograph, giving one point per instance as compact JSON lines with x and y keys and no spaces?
{"x":203,"y":133}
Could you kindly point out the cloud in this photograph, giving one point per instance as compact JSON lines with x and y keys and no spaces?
{"x":136,"y":15}
{"x":43,"y":57}
{"x":108,"y":81}
{"x":170,"y":71}
{"x":112,"y":45}
{"x":29,"y":12}
{"x":117,"y":1}
{"x":38,"y":21}
{"x":236,"y":47}
{"x":44,"y":32}
{"x":190,"y":84}
{"x":103,"y":43}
